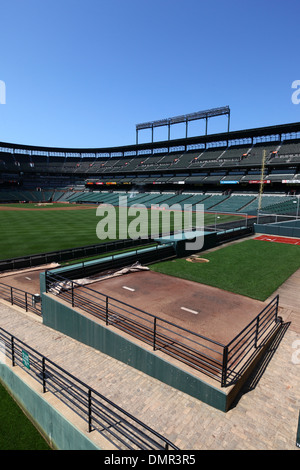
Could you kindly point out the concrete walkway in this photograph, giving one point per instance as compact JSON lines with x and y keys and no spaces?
{"x":289,"y":295}
{"x":264,"y":418}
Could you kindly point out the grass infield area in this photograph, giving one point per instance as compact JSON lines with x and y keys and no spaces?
{"x":253,"y":268}
{"x":57,"y":227}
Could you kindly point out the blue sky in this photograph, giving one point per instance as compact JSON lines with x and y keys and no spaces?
{"x":83,"y":73}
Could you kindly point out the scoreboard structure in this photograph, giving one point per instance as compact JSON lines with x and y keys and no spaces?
{"x":185,"y":118}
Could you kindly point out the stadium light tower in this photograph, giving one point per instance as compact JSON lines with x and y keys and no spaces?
{"x":185,"y":118}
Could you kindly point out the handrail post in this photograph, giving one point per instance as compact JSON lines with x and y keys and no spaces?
{"x":72,"y":293}
{"x":256,"y":332}
{"x":224,"y":366}
{"x":89,"y":410}
{"x":13,"y":351}
{"x":154,"y":333}
{"x":46,"y":281}
{"x":106,"y":310}
{"x":26,"y":306}
{"x":11,"y":296}
{"x":43,"y":374}
{"x":276,"y":308}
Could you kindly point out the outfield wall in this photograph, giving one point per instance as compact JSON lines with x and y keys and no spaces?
{"x":70,"y":254}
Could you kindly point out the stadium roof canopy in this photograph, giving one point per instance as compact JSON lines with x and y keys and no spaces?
{"x":259,"y":132}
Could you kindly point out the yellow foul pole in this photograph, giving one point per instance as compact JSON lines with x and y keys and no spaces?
{"x":262,"y":179}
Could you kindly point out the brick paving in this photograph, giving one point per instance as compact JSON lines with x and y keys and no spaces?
{"x":265,"y":416}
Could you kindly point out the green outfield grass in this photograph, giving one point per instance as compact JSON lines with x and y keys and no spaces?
{"x":30,"y":232}
{"x":253,"y":268}
{"x":16,"y":430}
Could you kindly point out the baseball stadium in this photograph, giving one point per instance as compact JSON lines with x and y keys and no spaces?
{"x":142,"y":343}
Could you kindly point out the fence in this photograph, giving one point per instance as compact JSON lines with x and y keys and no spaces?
{"x":246,"y":221}
{"x":70,"y":254}
{"x":110,"y":262}
{"x":30,"y":302}
{"x":224,"y":363}
{"x":269,"y":218}
{"x":118,"y":426}
{"x":227,"y":220}
{"x":240,"y":351}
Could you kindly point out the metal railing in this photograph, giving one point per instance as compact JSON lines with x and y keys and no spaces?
{"x":224,"y":363}
{"x":241,"y":350}
{"x":193,"y":349}
{"x":271,"y":218}
{"x":118,"y":426}
{"x":30,"y":302}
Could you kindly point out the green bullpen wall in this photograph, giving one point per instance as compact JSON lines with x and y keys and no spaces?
{"x":57,"y":430}
{"x":62,"y":317}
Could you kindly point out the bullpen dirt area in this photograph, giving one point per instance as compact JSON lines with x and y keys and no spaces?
{"x":206,"y":310}
{"x":27,"y":280}
{"x":209,"y":311}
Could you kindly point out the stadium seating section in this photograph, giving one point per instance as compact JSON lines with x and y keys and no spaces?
{"x":234,"y":203}
{"x":222,"y":177}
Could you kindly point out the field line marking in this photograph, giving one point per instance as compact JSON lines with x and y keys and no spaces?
{"x":189,"y":310}
{"x":128,"y":288}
